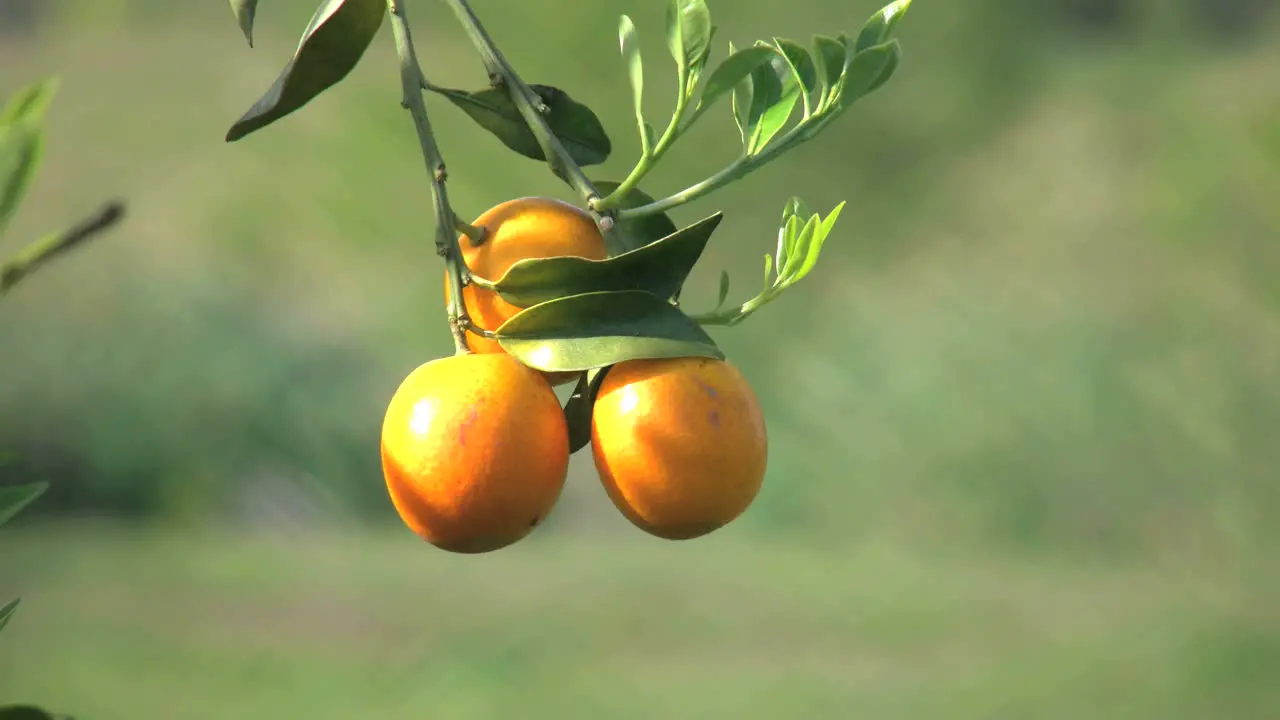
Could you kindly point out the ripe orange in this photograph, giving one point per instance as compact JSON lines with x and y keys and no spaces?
{"x":514,"y":230}
{"x":474,"y":451}
{"x":680,"y":444}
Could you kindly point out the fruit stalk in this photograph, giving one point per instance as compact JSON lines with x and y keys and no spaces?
{"x":531,"y":107}
{"x":412,"y":81}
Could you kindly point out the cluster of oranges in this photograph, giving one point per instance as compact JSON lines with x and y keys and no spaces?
{"x":475,"y":447}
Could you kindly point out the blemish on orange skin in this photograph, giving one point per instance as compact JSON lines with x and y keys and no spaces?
{"x":466,"y":424}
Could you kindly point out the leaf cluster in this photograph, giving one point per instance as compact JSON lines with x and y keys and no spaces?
{"x":581,"y":315}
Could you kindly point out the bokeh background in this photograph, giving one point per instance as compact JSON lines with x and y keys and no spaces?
{"x":1022,"y":417}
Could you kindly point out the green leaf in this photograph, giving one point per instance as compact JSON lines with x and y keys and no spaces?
{"x":772,"y":102}
{"x":629,"y":41}
{"x":829,"y":57}
{"x":27,"y":712}
{"x":688,"y":33}
{"x":696,"y":70}
{"x":16,"y":497}
{"x":741,"y":101}
{"x":332,"y":44}
{"x":8,"y":610}
{"x":768,"y":272}
{"x":723,"y":293}
{"x":867,"y":71}
{"x":577,"y":411}
{"x":21,"y":150}
{"x":732,"y":71}
{"x":576,"y":126}
{"x":799,"y":237}
{"x":879,"y":28}
{"x":888,"y":70}
{"x":628,"y":235}
{"x":244,"y":10}
{"x":593,"y":330}
{"x":659,"y":268}
{"x":30,"y":103}
{"x":794,"y":206}
{"x":650,"y":135}
{"x":787,"y":237}
{"x":803,"y":70}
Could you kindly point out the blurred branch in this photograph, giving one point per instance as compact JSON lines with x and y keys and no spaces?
{"x":45,"y":249}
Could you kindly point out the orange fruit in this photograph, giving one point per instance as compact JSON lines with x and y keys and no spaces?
{"x":680,"y":444}
{"x":474,"y":451}
{"x":531,"y":227}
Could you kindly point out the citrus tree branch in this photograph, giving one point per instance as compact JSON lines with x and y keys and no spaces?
{"x":412,"y":82}
{"x":743,"y":165}
{"x":41,"y":251}
{"x":530,"y":105}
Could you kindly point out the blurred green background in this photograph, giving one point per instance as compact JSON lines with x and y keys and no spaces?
{"x":1022,"y":417}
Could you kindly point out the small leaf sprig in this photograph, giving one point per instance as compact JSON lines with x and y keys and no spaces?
{"x":799,"y":246}
{"x":22,"y":142}
{"x":765,"y":81}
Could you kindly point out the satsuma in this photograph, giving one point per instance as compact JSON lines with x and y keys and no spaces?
{"x":680,"y":444}
{"x":474,"y":451}
{"x":531,"y":227}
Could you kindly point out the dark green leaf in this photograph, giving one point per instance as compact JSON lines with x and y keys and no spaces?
{"x":16,"y":497}
{"x":577,"y":127}
{"x":888,"y":70}
{"x":27,"y":712}
{"x":30,"y":103}
{"x":688,"y":32}
{"x":244,"y":10}
{"x":879,"y":28}
{"x":581,"y":332}
{"x":741,"y":100}
{"x":8,"y":610}
{"x":732,"y":72}
{"x":828,"y":56}
{"x":332,"y":44}
{"x":650,"y":135}
{"x":772,"y":102}
{"x":723,"y":294}
{"x":577,"y":411}
{"x":867,"y":70}
{"x":659,"y":268}
{"x":628,"y":235}
{"x":629,"y":41}
{"x":21,"y":150}
{"x":801,"y":64}
{"x":696,"y":70}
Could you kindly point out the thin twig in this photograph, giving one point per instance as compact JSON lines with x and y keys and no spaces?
{"x":41,"y":251}
{"x":412,"y":81}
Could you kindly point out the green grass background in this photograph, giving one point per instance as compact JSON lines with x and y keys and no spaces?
{"x":1023,"y":417}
